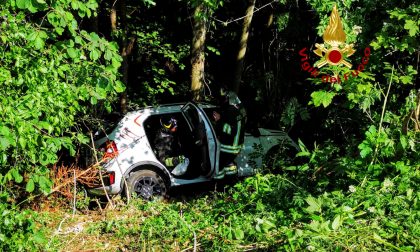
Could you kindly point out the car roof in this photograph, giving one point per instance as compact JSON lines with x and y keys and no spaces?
{"x":178,"y":104}
{"x":168,"y":108}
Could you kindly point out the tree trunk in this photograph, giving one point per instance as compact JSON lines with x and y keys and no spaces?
{"x":127,"y":47}
{"x":113,"y":18}
{"x":242,"y":45}
{"x":197,"y":53}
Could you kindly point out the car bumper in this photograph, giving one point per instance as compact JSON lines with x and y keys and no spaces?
{"x":100,"y":191}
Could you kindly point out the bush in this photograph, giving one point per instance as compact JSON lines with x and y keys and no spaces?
{"x":17,"y":230}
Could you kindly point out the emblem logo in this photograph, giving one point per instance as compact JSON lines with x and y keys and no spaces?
{"x":334,"y":52}
{"x":334,"y":49}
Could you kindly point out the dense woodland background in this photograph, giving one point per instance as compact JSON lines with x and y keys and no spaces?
{"x":67,"y":65}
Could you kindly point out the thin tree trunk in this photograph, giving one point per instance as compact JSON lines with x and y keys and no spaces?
{"x":197,"y":53}
{"x":124,"y":54}
{"x":127,"y":47}
{"x":113,"y":18}
{"x":242,"y":45}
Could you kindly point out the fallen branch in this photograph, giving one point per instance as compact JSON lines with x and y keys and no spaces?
{"x":71,"y":180}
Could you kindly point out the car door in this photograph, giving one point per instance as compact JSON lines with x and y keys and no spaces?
{"x":204,"y":138}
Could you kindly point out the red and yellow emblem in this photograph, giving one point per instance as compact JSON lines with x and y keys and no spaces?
{"x":334,"y":50}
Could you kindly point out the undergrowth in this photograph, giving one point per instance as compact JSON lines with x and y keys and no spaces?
{"x":264,"y":212}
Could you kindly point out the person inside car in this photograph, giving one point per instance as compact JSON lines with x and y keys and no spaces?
{"x":168,"y":147}
{"x":230,"y":129}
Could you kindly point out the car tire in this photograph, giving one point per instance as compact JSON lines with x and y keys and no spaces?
{"x":147,"y":184}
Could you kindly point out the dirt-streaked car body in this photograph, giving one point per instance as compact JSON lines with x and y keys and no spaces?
{"x":131,"y":162}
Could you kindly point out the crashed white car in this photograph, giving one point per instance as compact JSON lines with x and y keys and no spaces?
{"x":131,"y":164}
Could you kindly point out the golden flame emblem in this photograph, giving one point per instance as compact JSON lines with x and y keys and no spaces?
{"x":334,"y":49}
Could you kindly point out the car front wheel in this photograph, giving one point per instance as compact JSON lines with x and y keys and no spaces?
{"x":147,"y":184}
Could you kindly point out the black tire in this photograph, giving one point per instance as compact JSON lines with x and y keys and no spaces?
{"x":147,"y":184}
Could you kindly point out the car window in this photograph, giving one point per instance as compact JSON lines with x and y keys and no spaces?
{"x":152,"y":125}
{"x":106,"y":126}
{"x":198,"y":128}
{"x":191,"y":114}
{"x":209,"y":112}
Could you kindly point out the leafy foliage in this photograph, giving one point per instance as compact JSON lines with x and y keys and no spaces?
{"x":155,"y":62}
{"x":267,"y":212}
{"x":49,"y":71}
{"x":376,"y":91}
{"x":153,"y":51}
{"x":17,"y":229}
{"x":355,"y":188}
{"x":293,"y":112}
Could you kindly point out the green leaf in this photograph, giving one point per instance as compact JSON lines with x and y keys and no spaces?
{"x":78,"y":40}
{"x":5,"y":131}
{"x":104,"y":83}
{"x":69,"y":16}
{"x":267,"y":225}
{"x":400,"y":166}
{"x":377,"y":237}
{"x":213,"y":50}
{"x":94,"y":54}
{"x":239,"y":233}
{"x":82,"y":138}
{"x":116,"y":62}
{"x":30,"y":186}
{"x":412,"y":27}
{"x":4,"y":143}
{"x":403,"y":141}
{"x":406,"y":79}
{"x":94,"y":37}
{"x":44,"y":184}
{"x":119,"y":86}
{"x":18,"y":178}
{"x":336,"y":223}
{"x":314,"y":205}
{"x":93,"y":100}
{"x":365,"y":149}
{"x":39,"y":43}
{"x":72,"y":52}
{"x":322,"y":97}
{"x":108,"y":55}
{"x":316,"y":217}
{"x":101,"y":92}
{"x":32,"y":36}
{"x":75,"y":5}
{"x":302,"y":146}
{"x":314,"y":225}
{"x":22,"y":4}
{"x":303,"y":154}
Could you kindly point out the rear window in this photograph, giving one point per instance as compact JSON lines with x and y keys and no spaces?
{"x":107,"y":125}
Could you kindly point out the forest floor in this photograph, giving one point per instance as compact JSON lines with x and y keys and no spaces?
{"x":261,"y":213}
{"x":93,"y":224}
